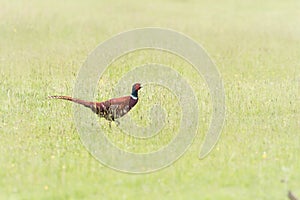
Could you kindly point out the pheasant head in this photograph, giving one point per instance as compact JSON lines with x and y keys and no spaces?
{"x":135,"y":88}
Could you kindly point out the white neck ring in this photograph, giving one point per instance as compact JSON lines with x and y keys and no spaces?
{"x":133,"y":97}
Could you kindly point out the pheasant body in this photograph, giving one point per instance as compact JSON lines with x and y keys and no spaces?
{"x":111,"y":109}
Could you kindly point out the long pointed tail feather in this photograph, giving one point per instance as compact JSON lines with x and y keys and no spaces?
{"x":61,"y":97}
{"x":88,"y":104}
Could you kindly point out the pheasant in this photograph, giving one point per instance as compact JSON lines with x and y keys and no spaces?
{"x":111,"y":109}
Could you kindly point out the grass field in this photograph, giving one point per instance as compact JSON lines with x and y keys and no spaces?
{"x":256,"y":46}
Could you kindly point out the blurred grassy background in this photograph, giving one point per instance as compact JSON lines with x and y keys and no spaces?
{"x":256,"y":46}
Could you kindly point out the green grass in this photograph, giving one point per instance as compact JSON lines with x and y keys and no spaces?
{"x":256,"y":46}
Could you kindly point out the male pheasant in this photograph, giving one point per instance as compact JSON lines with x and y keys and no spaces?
{"x":111,"y":109}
